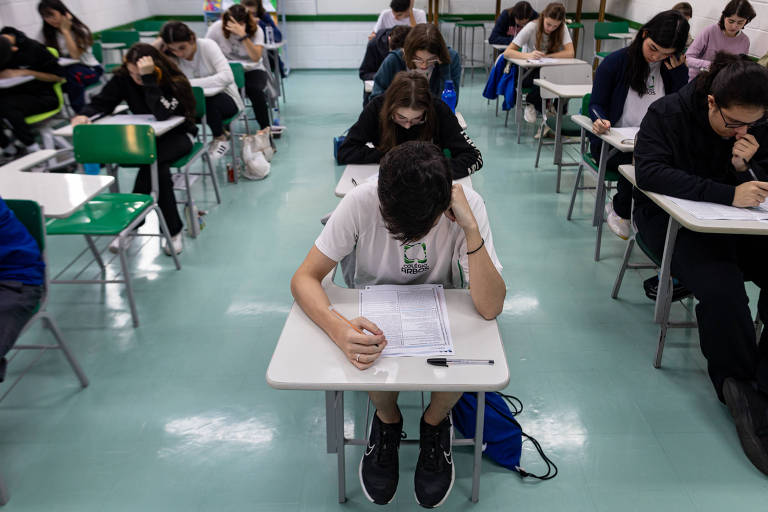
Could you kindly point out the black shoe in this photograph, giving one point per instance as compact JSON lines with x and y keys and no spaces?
{"x":434,"y":470}
{"x":379,"y":467}
{"x":749,"y":409}
{"x":651,"y":286}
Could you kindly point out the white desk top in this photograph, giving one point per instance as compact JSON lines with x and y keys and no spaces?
{"x":743,"y":227}
{"x":305,"y":358}
{"x":611,"y":137}
{"x":524,"y":63}
{"x":7,"y":83}
{"x":112,"y":46}
{"x":624,"y":35}
{"x":60,"y":194}
{"x":564,"y":90}
{"x":500,"y":47}
{"x":160,"y":127}
{"x":361,"y":172}
{"x":66,"y":61}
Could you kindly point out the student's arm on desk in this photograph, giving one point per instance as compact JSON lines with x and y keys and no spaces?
{"x":566,"y":53}
{"x":309,"y":294}
{"x":465,"y":157}
{"x":110,"y":96}
{"x":487,"y":287}
{"x":354,"y":149}
{"x":162,"y":107}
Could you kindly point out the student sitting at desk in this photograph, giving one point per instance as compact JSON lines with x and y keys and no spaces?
{"x":256,"y":9}
{"x":424,"y":51}
{"x":400,"y":12}
{"x":413,"y":203}
{"x":21,"y":280}
{"x":408,"y":111}
{"x":626,"y":83}
{"x":546,"y":37}
{"x":22,"y":57}
{"x":64,"y":32}
{"x":709,"y":142}
{"x":150,"y":83}
{"x":511,"y":21}
{"x":377,"y":49}
{"x":203,"y":63}
{"x":241,"y":39}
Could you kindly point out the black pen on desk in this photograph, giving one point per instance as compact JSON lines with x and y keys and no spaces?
{"x":442,"y":361}
{"x":354,"y":182}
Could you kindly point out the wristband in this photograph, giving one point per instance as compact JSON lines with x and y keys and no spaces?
{"x":241,"y":39}
{"x":481,"y":246}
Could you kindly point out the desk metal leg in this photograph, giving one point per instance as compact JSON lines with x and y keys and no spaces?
{"x":559,"y":142}
{"x":664,"y":292}
{"x":519,"y":98}
{"x":339,"y":415}
{"x":479,"y":424}
{"x":330,"y":422}
{"x":600,"y":185}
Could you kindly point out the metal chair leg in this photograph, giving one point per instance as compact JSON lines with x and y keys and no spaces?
{"x":95,"y":252}
{"x":51,"y":324}
{"x":579,"y":177}
{"x":212,"y":174}
{"x":129,"y":285}
{"x":623,"y":268}
{"x":166,"y":233}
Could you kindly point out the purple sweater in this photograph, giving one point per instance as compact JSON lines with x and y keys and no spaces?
{"x":702,"y":52}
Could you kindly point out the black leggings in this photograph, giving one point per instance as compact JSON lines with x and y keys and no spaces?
{"x":170,"y":147}
{"x":15,"y":106}
{"x":255,"y":82}
{"x":218,"y":108}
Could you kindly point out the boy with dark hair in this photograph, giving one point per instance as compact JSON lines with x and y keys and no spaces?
{"x":414,"y":207}
{"x":400,"y":12}
{"x":386,"y":40}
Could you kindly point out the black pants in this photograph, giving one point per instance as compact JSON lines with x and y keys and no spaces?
{"x":170,"y":147}
{"x":255,"y":82}
{"x":218,"y":108}
{"x":534,"y":97}
{"x":80,"y":76}
{"x":622,"y":200}
{"x":15,"y":106}
{"x":17,"y":305}
{"x":714,"y":267}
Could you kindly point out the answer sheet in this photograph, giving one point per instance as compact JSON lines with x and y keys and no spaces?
{"x":713,"y":211}
{"x":627,"y":133}
{"x":414,"y":318}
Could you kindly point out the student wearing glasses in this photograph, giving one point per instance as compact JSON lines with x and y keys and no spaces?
{"x":727,"y":35}
{"x":424,"y":51}
{"x":709,"y":142}
{"x":408,"y":111}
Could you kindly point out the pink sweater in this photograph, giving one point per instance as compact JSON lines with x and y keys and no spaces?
{"x":702,"y":52}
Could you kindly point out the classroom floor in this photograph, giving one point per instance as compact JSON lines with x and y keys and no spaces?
{"x":179,"y":416}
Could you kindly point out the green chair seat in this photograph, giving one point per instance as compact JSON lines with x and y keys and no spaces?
{"x":468,"y":24}
{"x":181,"y":162}
{"x":449,"y":19}
{"x":105,"y":214}
{"x":603,"y":54}
{"x":568,"y":128}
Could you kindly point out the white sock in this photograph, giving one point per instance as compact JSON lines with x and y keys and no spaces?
{"x":33,"y":147}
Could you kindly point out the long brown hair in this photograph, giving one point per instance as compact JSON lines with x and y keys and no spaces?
{"x":409,"y":89}
{"x":170,"y":77}
{"x":80,"y":32}
{"x":555,"y":11}
{"x":239,"y":14}
{"x":425,"y":36}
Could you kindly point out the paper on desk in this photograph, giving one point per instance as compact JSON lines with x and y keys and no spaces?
{"x":414,"y":318}
{"x":627,"y":133}
{"x":713,"y":211}
{"x":543,"y":60}
{"x":140,"y":119}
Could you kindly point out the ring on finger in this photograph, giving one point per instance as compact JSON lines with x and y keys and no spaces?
{"x":357,"y":358}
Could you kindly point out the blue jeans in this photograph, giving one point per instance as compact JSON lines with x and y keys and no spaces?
{"x":80,"y":76}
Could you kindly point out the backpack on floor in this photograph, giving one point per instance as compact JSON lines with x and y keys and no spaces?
{"x":257,"y":153}
{"x":337,"y":142}
{"x":502,"y":434}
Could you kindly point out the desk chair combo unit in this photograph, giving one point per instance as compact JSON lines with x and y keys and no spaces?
{"x":239,"y":72}
{"x":603,"y":31}
{"x":114,"y":215}
{"x":116,"y":40}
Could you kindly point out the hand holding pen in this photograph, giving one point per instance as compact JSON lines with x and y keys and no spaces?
{"x":600,"y":125}
{"x":361,"y":349}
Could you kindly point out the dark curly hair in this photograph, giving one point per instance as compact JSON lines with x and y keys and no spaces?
{"x":734,"y":80}
{"x":414,"y":189}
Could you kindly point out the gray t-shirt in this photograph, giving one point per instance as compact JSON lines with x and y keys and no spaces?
{"x":635,"y":106}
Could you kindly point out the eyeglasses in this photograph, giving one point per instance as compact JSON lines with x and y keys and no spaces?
{"x":402,"y":119}
{"x":760,"y":122}
{"x":421,"y":62}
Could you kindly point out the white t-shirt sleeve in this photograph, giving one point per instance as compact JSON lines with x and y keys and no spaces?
{"x":380,"y":23}
{"x":478,"y":208}
{"x":340,"y":233}
{"x":420,"y":16}
{"x":526,"y":38}
{"x":258,"y":36}
{"x":566,"y":36}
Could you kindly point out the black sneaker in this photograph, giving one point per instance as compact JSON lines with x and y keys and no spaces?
{"x":651,"y":286}
{"x":749,"y":409}
{"x":434,"y":470}
{"x":379,"y":467}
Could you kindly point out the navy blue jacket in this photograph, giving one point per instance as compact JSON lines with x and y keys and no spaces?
{"x":267,"y":21}
{"x":20,"y":258}
{"x":394,"y":63}
{"x":610,"y":88}
{"x":500,"y":30}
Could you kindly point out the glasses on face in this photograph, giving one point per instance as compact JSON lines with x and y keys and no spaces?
{"x":738,"y":23}
{"x":760,"y":122}
{"x":413,"y":122}
{"x":421,"y":62}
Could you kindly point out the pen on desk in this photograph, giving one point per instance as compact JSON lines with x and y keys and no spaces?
{"x":594,"y":111}
{"x":331,"y":308}
{"x":354,"y":182}
{"x":442,"y":361}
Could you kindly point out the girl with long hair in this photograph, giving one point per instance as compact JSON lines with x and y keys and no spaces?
{"x":150,"y":83}
{"x":511,"y":21}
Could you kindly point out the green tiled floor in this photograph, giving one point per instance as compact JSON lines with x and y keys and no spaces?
{"x":179,"y":417}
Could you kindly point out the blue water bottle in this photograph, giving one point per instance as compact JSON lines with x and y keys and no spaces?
{"x":449,"y":95}
{"x":91,"y":168}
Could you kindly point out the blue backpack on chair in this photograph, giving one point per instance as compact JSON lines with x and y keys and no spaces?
{"x":502,"y":434}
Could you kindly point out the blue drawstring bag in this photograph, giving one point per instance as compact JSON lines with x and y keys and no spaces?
{"x":502,"y":434}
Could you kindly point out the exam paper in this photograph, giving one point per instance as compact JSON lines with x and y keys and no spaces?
{"x":543,"y":60}
{"x":713,"y":211}
{"x":414,"y":318}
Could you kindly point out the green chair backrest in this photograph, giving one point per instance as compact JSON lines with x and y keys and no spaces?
{"x":148,"y":25}
{"x":114,"y":144}
{"x":98,"y":51}
{"x":239,"y":72}
{"x":127,"y":37}
{"x":30,"y":214}
{"x":199,"y":95}
{"x":602,"y":29}
{"x":585,"y":105}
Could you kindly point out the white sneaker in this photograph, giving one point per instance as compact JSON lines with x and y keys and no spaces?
{"x":114,"y":245}
{"x":217,"y":150}
{"x":547,"y":132}
{"x":529,"y":114}
{"x":178,"y":244}
{"x":619,"y":226}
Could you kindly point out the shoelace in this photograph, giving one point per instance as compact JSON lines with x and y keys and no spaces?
{"x":433,"y":455}
{"x":390,"y":441}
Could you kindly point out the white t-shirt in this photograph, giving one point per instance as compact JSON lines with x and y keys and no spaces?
{"x":526,"y":38}
{"x":209,"y":68}
{"x":387,"y":19}
{"x":636,"y":106}
{"x":86,"y":57}
{"x":438,"y":258}
{"x":234,"y":49}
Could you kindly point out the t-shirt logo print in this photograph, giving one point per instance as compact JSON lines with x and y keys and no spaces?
{"x":414,"y":258}
{"x":652,"y":86}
